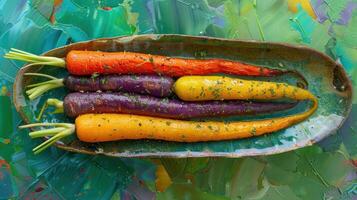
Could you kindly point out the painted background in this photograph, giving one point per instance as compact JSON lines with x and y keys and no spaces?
{"x":324,"y":171}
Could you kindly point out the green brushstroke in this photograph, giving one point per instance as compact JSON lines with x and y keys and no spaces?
{"x":334,"y":8}
{"x":246,"y":20}
{"x":103,"y":23}
{"x":182,"y":17}
{"x":304,"y":24}
{"x":6,"y":124}
{"x":187,"y":191}
{"x":246,"y":179}
{"x":346,"y":43}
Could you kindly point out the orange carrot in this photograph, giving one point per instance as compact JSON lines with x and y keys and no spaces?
{"x":90,"y":62}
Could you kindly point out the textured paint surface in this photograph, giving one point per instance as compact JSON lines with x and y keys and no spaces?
{"x":323,"y":171}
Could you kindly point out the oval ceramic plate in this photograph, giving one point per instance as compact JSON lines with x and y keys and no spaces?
{"x":327,"y":80}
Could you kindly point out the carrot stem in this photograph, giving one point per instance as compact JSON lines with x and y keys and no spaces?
{"x":54,"y":80}
{"x":40,"y":88}
{"x":51,"y":102}
{"x":60,"y":131}
{"x":46,"y":132}
{"x":66,"y":125}
{"x":40,"y":74}
{"x":44,"y":107}
{"x":52,"y":140}
{"x":16,"y":54}
{"x":44,"y":83}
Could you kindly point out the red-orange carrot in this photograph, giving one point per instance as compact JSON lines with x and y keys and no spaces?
{"x":90,"y":62}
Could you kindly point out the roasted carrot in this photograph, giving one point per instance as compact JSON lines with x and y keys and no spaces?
{"x":112,"y":127}
{"x":90,"y":62}
{"x":139,"y":63}
{"x":203,"y":88}
{"x":75,"y":104}
{"x":153,"y":85}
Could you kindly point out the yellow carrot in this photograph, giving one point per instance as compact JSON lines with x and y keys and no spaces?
{"x":200,"y":88}
{"x":112,"y":127}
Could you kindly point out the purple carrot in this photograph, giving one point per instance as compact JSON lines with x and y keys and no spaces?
{"x":158,"y":86}
{"x":82,"y":103}
{"x":154,"y":85}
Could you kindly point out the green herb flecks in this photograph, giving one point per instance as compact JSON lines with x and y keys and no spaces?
{"x":95,"y":75}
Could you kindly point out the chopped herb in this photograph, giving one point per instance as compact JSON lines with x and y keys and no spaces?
{"x":226,"y":122}
{"x":272,"y":91}
{"x":295,"y":91}
{"x":219,"y":82}
{"x":134,"y":77}
{"x":216,"y":93}
{"x":104,"y":80}
{"x":165,"y":100}
{"x":202,"y":93}
{"x":261,"y":70}
{"x":200,"y":54}
{"x":253,"y":131}
{"x":151,"y":59}
{"x":95,"y":75}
